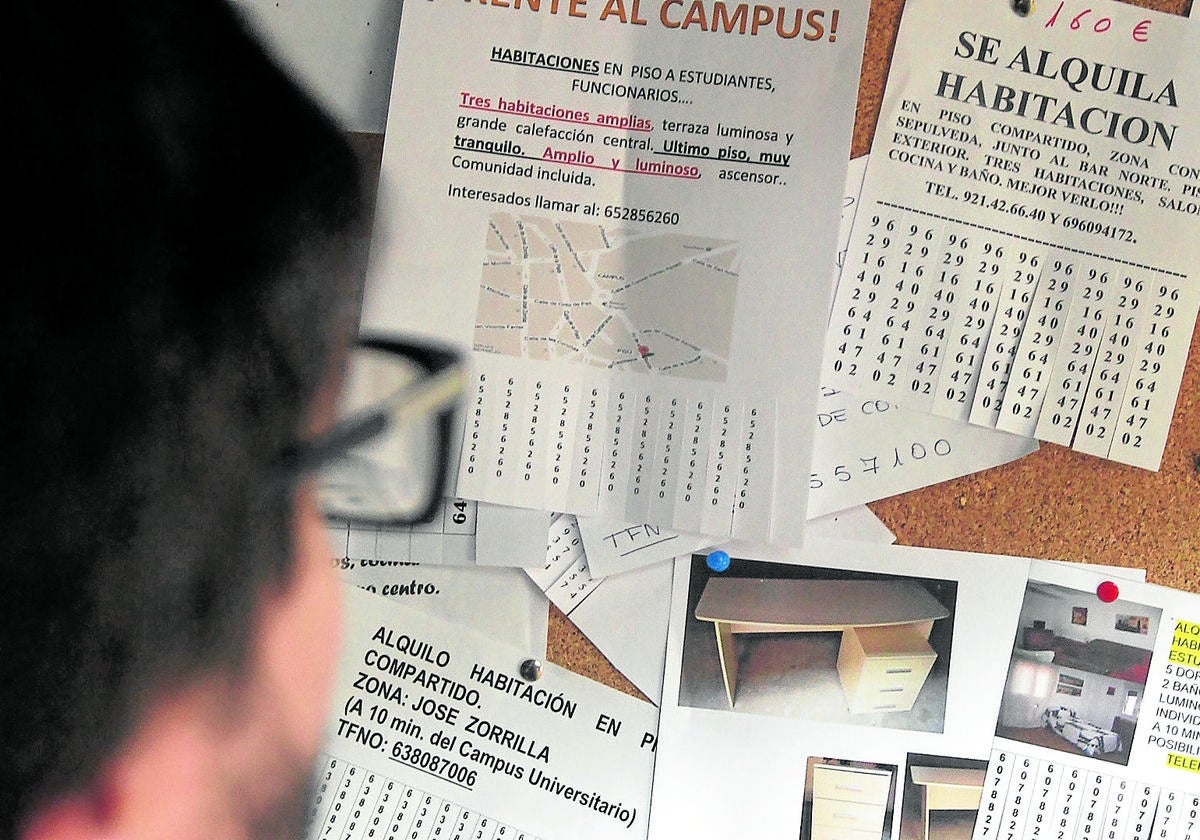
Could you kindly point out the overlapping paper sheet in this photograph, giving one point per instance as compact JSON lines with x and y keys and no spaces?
{"x":434,"y":733}
{"x":613,"y":548}
{"x":502,"y":603}
{"x":867,"y":448}
{"x":1025,"y":255}
{"x":805,"y":695}
{"x":462,"y":533}
{"x":616,"y":209}
{"x":864,"y":449}
{"x":344,"y":52}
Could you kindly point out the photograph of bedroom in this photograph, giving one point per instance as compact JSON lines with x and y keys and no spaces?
{"x":1078,"y":672}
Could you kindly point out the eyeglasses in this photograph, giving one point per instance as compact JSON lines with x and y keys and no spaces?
{"x":385,"y":460}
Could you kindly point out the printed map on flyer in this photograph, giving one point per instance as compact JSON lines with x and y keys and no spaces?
{"x":1026,"y":252}
{"x":619,"y":209}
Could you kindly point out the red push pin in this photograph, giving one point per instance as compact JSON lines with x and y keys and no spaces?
{"x":1107,"y":592}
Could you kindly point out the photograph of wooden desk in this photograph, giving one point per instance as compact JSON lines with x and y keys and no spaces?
{"x":947,"y":789}
{"x":884,"y":655}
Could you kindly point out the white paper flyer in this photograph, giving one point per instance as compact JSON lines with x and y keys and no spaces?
{"x":789,"y":681}
{"x":437,"y":732}
{"x":1026,"y":253}
{"x":1098,"y":733}
{"x":623,"y":210}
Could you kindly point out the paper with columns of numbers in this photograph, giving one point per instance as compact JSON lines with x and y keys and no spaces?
{"x":462,"y":533}
{"x":864,"y":449}
{"x":867,"y":448}
{"x":1098,"y":733}
{"x":872,"y":652}
{"x":434,"y":733}
{"x":614,"y":205}
{"x":1026,"y":252}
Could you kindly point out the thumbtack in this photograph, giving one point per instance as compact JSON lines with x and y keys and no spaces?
{"x":1107,"y":592}
{"x":531,"y":670}
{"x":718,"y":560}
{"x":1022,"y":7}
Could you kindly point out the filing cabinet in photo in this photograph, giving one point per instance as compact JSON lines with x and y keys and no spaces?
{"x":848,"y":800}
{"x":883,"y":668}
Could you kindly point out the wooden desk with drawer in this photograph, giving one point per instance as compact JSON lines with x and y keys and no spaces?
{"x":884,"y":655}
{"x":948,"y":789}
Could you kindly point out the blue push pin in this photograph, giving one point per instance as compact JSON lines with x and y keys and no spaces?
{"x":718,"y":560}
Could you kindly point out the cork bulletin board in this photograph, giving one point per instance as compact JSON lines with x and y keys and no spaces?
{"x":1054,"y":503}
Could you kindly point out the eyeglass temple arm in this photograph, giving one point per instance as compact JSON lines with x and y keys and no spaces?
{"x":426,"y":396}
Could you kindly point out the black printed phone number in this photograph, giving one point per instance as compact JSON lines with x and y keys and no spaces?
{"x":1003,"y":205}
{"x":425,"y":760}
{"x":641,"y":214}
{"x":1105,"y":229}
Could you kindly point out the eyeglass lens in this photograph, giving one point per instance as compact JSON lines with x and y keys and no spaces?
{"x":392,"y":476}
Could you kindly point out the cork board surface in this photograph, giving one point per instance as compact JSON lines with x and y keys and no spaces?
{"x":1054,"y":503}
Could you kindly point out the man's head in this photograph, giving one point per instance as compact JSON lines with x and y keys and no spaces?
{"x":182,"y":269}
